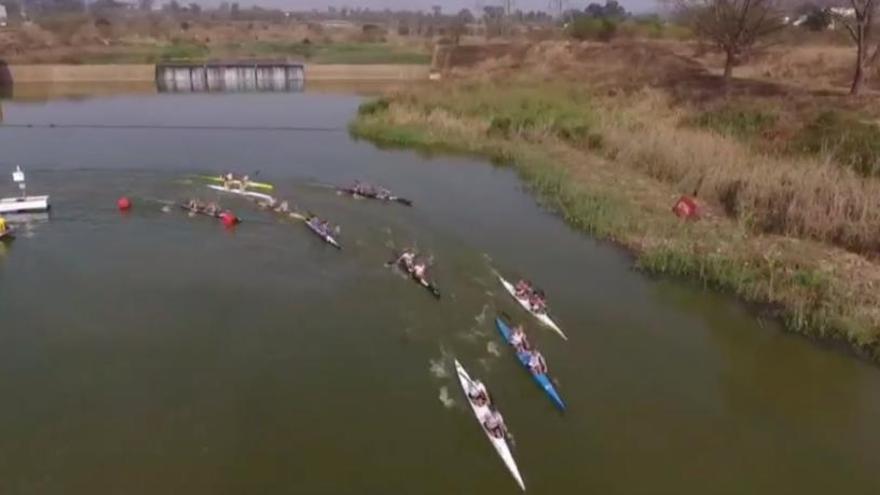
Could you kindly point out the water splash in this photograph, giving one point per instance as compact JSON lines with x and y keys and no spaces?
{"x":493,"y":348}
{"x":438,"y":367}
{"x":447,"y":401}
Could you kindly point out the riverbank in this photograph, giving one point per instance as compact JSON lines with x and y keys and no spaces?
{"x":613,"y":166}
{"x":123,"y":73}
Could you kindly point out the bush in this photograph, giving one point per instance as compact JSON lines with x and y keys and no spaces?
{"x":743,"y":123}
{"x":373,"y":107}
{"x":585,"y":28}
{"x":848,"y":140}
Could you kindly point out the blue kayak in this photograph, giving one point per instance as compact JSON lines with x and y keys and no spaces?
{"x":543,"y":380}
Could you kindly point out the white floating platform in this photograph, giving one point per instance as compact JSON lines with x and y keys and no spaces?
{"x":26,"y":204}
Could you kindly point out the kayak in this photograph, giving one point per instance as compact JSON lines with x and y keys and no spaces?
{"x":424,"y":283}
{"x":480,"y":412}
{"x":543,"y":380}
{"x":249,"y":194}
{"x":258,"y":185}
{"x":542,"y":317}
{"x":326,"y":237}
{"x":396,"y":199}
{"x":203,"y":212}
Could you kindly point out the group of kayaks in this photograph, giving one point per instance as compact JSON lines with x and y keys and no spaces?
{"x":242,"y":186}
{"x":415,"y":266}
{"x":531,"y":360}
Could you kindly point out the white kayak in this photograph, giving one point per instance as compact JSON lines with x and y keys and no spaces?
{"x":480,"y":412}
{"x":542,"y":317}
{"x":249,"y":194}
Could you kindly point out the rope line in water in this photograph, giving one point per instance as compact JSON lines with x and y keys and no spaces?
{"x":177,"y":127}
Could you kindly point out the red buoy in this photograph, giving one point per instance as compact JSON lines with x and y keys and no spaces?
{"x":228,"y":219}
{"x":123,"y":203}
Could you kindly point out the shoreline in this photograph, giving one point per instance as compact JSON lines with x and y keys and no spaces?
{"x":13,"y":74}
{"x":599,"y":194}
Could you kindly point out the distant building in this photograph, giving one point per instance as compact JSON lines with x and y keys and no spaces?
{"x":2,"y":16}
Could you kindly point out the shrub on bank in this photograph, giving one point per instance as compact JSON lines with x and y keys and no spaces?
{"x":848,"y":140}
{"x":737,"y":121}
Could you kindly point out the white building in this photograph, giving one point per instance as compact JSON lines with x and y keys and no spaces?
{"x":2,"y":15}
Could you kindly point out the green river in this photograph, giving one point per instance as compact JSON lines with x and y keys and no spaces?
{"x":153,"y":353}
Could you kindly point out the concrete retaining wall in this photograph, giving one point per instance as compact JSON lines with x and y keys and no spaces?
{"x":18,"y":74}
{"x":81,"y":73}
{"x":366,"y":72}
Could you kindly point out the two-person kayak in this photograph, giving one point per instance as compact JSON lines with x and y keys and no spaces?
{"x":406,"y":262}
{"x":237,"y":182}
{"x":542,"y":379}
{"x":481,"y":412}
{"x":218,"y":213}
{"x":543,"y":317}
{"x":246,"y":193}
{"x":373,"y":193}
{"x":321,"y":229}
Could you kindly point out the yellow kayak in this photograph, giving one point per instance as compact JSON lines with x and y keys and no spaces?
{"x":258,"y":185}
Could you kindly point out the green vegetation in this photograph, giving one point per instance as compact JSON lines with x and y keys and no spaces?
{"x":850,"y":141}
{"x":738,"y":121}
{"x":180,"y":51}
{"x":336,"y":53}
{"x":620,"y":191}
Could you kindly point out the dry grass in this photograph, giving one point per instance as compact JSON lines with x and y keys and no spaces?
{"x":613,"y":157}
{"x":796,"y":196}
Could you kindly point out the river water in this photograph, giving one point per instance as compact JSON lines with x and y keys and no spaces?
{"x":155,"y":353}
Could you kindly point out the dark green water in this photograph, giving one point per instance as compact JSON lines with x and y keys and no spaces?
{"x":155,"y":353}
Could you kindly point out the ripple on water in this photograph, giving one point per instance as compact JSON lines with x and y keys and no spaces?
{"x":493,"y":348}
{"x":447,"y":401}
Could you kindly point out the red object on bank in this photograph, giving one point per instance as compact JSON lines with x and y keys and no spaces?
{"x":686,"y":207}
{"x":123,"y":203}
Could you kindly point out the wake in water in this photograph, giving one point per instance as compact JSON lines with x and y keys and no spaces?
{"x":447,"y":401}
{"x":493,"y":348}
{"x":441,"y":368}
{"x":477,"y":331}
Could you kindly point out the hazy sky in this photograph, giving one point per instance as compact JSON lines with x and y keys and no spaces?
{"x":448,"y":5}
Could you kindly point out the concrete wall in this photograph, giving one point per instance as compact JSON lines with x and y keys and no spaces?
{"x":135,"y":73}
{"x":366,"y":72}
{"x":81,"y":73}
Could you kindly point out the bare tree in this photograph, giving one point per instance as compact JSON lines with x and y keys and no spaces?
{"x":734,"y":26}
{"x":859,"y":22}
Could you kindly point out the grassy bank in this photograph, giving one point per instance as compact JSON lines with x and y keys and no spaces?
{"x":614,"y":167}
{"x":195,"y":52}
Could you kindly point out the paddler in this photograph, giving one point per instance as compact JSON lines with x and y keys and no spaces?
{"x":494,"y":424}
{"x":522,"y":289}
{"x":408,"y":257}
{"x":537,"y":303}
{"x":519,"y":340}
{"x":228,"y":178}
{"x":244,"y":183}
{"x":419,"y":270}
{"x":212,"y":208}
{"x":283,"y":207}
{"x":537,"y":363}
{"x":477,"y":393}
